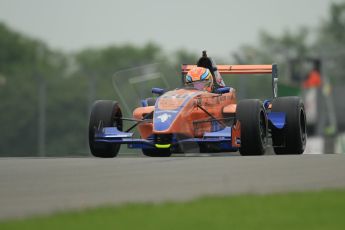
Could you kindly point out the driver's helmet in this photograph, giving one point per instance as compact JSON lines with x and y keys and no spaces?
{"x":200,"y":78}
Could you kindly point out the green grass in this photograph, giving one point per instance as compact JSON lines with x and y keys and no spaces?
{"x":307,"y":210}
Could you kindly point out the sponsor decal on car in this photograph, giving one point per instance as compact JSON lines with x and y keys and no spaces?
{"x":164,"y":117}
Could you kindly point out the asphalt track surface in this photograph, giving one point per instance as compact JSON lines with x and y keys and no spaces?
{"x":34,"y":186}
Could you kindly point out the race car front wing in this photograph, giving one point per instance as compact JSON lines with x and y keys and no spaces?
{"x":113,"y":135}
{"x":228,"y":138}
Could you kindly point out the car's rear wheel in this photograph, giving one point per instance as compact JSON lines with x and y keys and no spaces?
{"x":104,"y":113}
{"x":252,"y":117}
{"x":154,"y":152}
{"x":292,"y":138}
{"x":151,"y":101}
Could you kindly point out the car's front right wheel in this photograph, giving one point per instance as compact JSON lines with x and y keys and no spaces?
{"x":104,"y":113}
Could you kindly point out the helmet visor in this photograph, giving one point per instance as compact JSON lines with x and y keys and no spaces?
{"x":201,"y":85}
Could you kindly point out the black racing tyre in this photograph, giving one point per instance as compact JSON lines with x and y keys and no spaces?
{"x":154,"y":152}
{"x":104,"y":113}
{"x":292,"y":138}
{"x":151,"y":101}
{"x":253,"y":120}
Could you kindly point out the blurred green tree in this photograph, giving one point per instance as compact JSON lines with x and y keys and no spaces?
{"x":26,"y":64}
{"x":330,"y":44}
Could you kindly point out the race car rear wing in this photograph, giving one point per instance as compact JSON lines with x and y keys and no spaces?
{"x":245,"y":69}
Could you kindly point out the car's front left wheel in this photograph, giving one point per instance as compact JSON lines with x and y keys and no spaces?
{"x":252,"y":117}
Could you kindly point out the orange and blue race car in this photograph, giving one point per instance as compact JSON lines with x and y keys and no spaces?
{"x":203,"y":112}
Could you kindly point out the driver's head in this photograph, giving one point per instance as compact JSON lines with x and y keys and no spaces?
{"x":200,"y":78}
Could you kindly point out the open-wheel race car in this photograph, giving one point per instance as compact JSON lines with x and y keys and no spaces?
{"x":203,"y":112}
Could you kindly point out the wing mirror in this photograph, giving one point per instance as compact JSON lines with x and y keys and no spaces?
{"x":223,"y":90}
{"x":158,"y":91}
